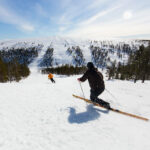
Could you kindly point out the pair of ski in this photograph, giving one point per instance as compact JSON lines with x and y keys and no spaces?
{"x":112,"y":109}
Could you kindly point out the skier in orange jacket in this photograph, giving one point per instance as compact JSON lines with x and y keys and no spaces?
{"x":50,"y":76}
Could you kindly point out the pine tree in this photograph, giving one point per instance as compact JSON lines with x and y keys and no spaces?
{"x":3,"y":71}
{"x":138,"y":66}
{"x":145,"y":63}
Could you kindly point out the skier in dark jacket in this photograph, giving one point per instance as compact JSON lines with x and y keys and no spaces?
{"x":96,"y":83}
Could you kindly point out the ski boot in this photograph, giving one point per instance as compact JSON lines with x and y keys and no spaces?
{"x":103,"y":103}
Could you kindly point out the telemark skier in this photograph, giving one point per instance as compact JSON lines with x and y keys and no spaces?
{"x":96,"y":83}
{"x":50,"y":76}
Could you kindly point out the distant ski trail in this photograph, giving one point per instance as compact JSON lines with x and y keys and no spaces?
{"x":34,"y":68}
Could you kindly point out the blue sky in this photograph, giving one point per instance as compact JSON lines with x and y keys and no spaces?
{"x":76,"y":18}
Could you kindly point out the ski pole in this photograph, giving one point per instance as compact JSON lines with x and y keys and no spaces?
{"x":81,"y":89}
{"x":112,"y":95}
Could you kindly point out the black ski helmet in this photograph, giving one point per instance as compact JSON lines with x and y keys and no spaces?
{"x":90,"y":65}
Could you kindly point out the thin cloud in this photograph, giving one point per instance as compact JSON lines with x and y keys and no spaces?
{"x":98,"y":18}
{"x":136,"y":23}
{"x":98,"y":15}
{"x":64,"y":20}
{"x":10,"y":17}
{"x":65,"y":3}
{"x":27,"y":27}
{"x":112,"y":30}
{"x":77,"y":17}
{"x":40,"y":10}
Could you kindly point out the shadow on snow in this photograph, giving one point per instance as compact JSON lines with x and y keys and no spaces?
{"x":83,"y":117}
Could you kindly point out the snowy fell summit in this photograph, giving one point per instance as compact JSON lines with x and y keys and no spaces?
{"x":54,"y":51}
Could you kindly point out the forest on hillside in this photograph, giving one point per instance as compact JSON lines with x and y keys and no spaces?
{"x":13,"y":71}
{"x":122,"y":60}
{"x":137,"y":67}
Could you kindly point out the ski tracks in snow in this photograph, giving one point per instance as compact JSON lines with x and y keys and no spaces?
{"x":35,"y":64}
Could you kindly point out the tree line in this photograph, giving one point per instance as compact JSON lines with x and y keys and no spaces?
{"x":77,"y":55}
{"x":65,"y":70}
{"x":47,"y":59}
{"x":22,"y":55}
{"x":12,"y":71}
{"x":137,"y":67}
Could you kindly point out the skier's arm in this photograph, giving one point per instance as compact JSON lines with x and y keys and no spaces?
{"x":84,"y":77}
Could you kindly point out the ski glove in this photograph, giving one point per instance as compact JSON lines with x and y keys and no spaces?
{"x":78,"y":79}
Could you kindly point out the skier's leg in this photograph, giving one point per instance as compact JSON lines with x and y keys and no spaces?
{"x":93,"y":95}
{"x":100,"y":101}
{"x":53,"y":80}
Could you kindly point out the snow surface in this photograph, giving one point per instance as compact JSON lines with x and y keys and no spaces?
{"x":36,"y":114}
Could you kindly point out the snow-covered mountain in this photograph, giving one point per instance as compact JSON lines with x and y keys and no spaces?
{"x":59,"y":50}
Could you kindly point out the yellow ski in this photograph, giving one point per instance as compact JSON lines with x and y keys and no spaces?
{"x":112,"y":109}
